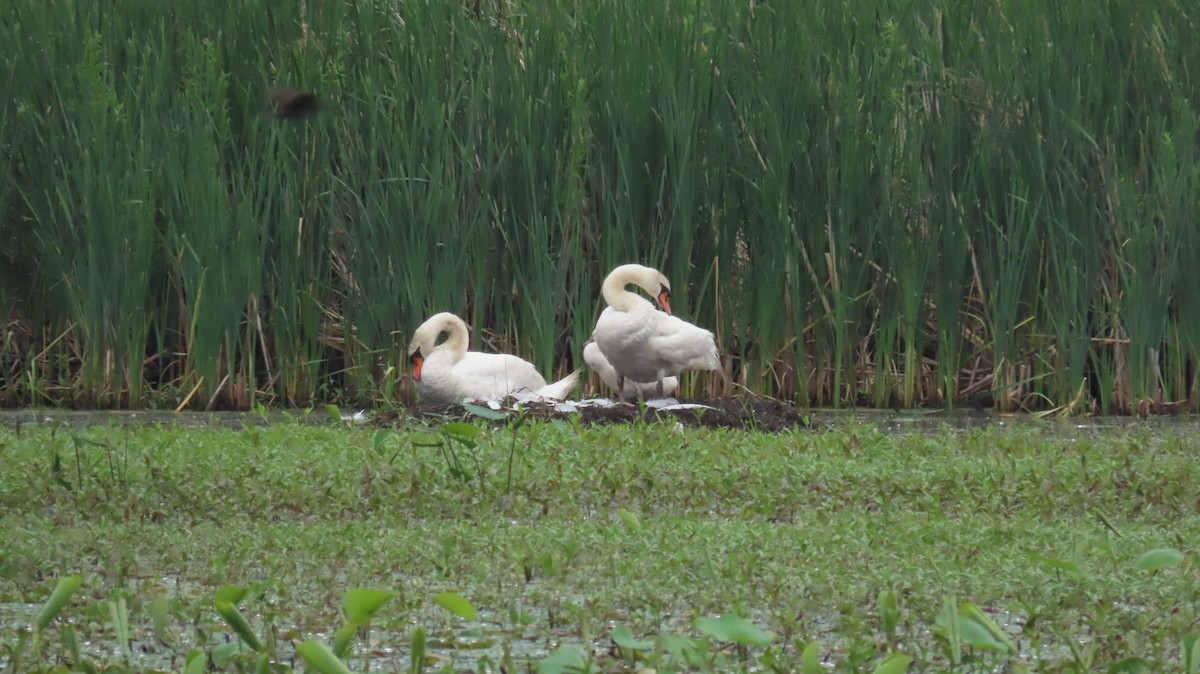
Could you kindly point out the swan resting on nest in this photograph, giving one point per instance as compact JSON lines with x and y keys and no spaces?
{"x":448,"y":373}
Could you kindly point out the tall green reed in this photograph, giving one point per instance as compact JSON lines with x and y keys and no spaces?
{"x":886,"y":204}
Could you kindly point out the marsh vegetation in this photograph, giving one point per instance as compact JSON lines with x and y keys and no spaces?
{"x":870,"y":203}
{"x":466,"y":547}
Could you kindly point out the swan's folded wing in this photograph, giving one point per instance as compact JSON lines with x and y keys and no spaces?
{"x":496,"y":374}
{"x":688,"y":346}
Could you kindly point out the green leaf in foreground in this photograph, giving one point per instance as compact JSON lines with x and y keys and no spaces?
{"x":417,"y":654}
{"x":972,"y":612}
{"x":342,"y":638}
{"x":889,"y":612}
{"x":733,"y":628}
{"x":1057,"y":564}
{"x":622,"y":637}
{"x":321,"y":658}
{"x":896,"y":663}
{"x":1159,"y":558}
{"x":810,"y":659}
{"x":238,"y":623}
{"x":233,"y":594}
{"x":1190,"y":647}
{"x":971,"y":633}
{"x":360,"y":603}
{"x":334,"y":413}
{"x":1129,"y":665}
{"x":631,"y":521}
{"x":484,"y":412}
{"x":381,"y":436}
{"x":195,"y":662}
{"x":456,"y":604}
{"x":462,"y":432}
{"x":159,"y":611}
{"x":58,"y":600}
{"x":563,"y":661}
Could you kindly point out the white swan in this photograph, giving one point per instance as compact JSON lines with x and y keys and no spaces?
{"x":642,"y":343}
{"x":447,"y":372}
{"x":594,"y":357}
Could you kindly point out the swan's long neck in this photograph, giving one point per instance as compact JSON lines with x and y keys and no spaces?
{"x":456,"y":336}
{"x":614,"y":291}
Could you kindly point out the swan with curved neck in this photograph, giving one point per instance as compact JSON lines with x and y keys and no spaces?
{"x":642,"y":343}
{"x":447,"y":372}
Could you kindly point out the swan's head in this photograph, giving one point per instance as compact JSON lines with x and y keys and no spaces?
{"x":417,"y":359}
{"x":647,"y":278}
{"x":425,"y":339}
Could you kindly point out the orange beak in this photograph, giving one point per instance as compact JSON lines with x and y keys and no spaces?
{"x":417,"y":362}
{"x":664,"y":301}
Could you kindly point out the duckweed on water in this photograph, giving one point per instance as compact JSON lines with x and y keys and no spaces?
{"x":609,"y":548}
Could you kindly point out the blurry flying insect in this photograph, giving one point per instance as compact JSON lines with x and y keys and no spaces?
{"x":293,"y":103}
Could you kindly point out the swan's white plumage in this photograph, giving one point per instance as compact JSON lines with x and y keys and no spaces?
{"x":595,"y":359}
{"x":642,"y":343}
{"x":447,"y":372}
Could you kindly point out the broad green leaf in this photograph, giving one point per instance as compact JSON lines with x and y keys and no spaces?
{"x":889,"y":612}
{"x":484,"y":412}
{"x":1130,"y":665}
{"x":321,"y":658}
{"x":195,"y":662}
{"x":461,"y":430}
{"x":263,"y":666}
{"x":976,"y":635}
{"x":622,"y":637}
{"x":234,"y":618}
{"x":456,"y":604}
{"x":973,"y":612}
{"x":360,"y":603}
{"x":1190,"y":646}
{"x":896,"y":663}
{"x":1058,"y":564}
{"x":334,"y":413}
{"x":58,"y":599}
{"x":233,"y":594}
{"x":561,"y":661}
{"x":679,"y":646}
{"x":733,"y":628}
{"x":158,"y":608}
{"x":810,"y":659}
{"x":224,"y":654}
{"x":1159,"y":558}
{"x":381,"y":436}
{"x":631,"y":521}
{"x":342,"y":638}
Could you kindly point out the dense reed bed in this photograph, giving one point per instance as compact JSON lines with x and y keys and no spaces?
{"x":871,"y":203}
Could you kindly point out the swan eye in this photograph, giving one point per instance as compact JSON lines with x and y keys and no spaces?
{"x":664,"y":300}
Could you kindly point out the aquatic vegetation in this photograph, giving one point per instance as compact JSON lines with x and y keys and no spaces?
{"x":604,"y":548}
